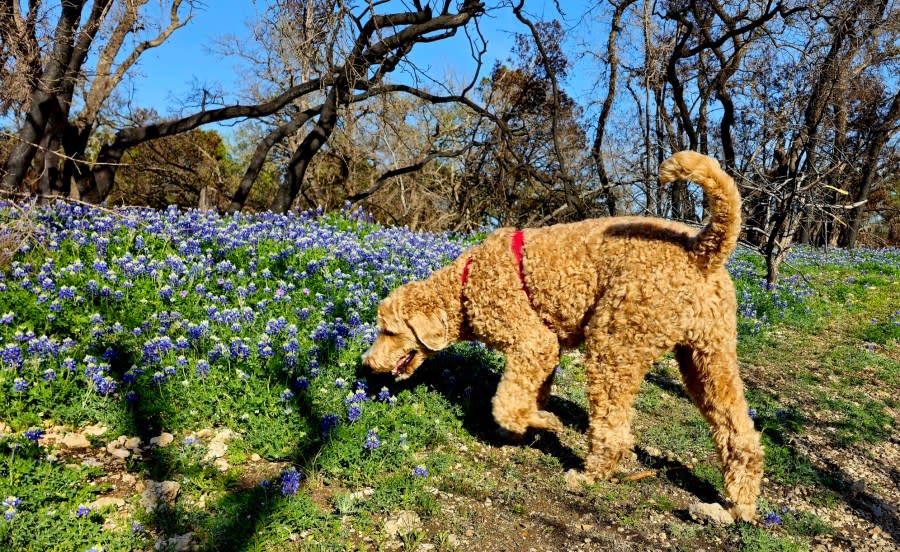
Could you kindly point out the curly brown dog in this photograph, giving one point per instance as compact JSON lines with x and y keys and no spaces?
{"x":630,"y":288}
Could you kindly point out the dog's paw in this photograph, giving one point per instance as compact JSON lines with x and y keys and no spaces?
{"x":542,"y":419}
{"x":575,"y":480}
{"x":743,"y":512}
{"x":712,"y":513}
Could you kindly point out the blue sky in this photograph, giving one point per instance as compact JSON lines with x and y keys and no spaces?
{"x":169,"y":72}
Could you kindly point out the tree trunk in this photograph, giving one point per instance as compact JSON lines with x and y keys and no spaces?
{"x":44,"y":101}
{"x":880,"y":137}
{"x":296,"y":170}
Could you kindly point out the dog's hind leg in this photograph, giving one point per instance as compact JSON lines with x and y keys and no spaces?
{"x":714,"y":384}
{"x":617,"y":356}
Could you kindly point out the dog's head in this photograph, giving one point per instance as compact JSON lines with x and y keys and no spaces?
{"x":411,"y":328}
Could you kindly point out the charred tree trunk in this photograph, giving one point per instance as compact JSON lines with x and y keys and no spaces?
{"x":597,"y":147}
{"x":880,"y":137}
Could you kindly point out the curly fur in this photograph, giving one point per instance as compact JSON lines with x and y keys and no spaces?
{"x":630,"y":289}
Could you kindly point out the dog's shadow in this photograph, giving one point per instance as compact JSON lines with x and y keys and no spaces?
{"x":467,"y":376}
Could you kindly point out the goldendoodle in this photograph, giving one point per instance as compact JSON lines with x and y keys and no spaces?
{"x":630,"y":288}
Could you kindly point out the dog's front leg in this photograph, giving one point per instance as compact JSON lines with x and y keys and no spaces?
{"x":529,"y":364}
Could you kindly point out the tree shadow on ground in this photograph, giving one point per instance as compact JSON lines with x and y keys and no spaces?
{"x":229,"y":521}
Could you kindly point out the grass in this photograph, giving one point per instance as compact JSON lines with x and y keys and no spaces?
{"x":183,"y":322}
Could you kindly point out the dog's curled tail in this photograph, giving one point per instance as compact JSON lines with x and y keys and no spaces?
{"x":717,"y":240}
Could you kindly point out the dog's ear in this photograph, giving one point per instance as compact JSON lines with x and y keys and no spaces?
{"x":431,"y":329}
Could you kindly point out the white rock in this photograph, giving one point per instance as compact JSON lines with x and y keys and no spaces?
{"x":133,"y":443}
{"x":105,"y":501}
{"x":165,"y":439}
{"x":95,"y":430}
{"x":154,"y":491}
{"x":75,"y":441}
{"x":180,"y":543}
{"x":120,"y":453}
{"x":403,"y":523}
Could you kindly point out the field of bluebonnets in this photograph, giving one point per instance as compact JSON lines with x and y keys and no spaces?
{"x":224,"y":351}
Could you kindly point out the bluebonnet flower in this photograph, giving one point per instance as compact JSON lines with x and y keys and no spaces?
{"x":384,"y":394}
{"x":420,"y":471}
{"x":290,"y":482}
{"x":301,"y":383}
{"x":49,"y":375}
{"x":20,"y":385}
{"x":10,"y":507}
{"x":70,"y":364}
{"x":238,"y":348}
{"x":752,"y":413}
{"x":34,"y":434}
{"x":265,"y":484}
{"x":170,"y":371}
{"x":340,"y":383}
{"x":329,"y":423}
{"x":771,"y":519}
{"x":105,"y":386}
{"x":287,"y":395}
{"x":202,"y":368}
{"x":11,"y":356}
{"x":7,"y":318}
{"x":136,"y":527}
{"x":131,"y":397}
{"x":264,"y":348}
{"x":158,"y":378}
{"x":354,"y":412}
{"x":372,"y":441}
{"x":291,"y":345}
{"x":82,"y":511}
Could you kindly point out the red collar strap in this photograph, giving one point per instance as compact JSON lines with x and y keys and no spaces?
{"x":516,"y":244}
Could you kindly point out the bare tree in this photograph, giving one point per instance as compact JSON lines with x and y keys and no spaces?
{"x":46,"y":74}
{"x":380,"y":43}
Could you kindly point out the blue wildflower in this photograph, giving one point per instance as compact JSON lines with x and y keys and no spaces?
{"x":202,"y":368}
{"x":420,"y":471}
{"x":10,"y":507}
{"x":329,"y":422}
{"x":34,"y":434}
{"x":372,"y":441}
{"x":20,"y":385}
{"x":771,"y":519}
{"x":290,"y":482}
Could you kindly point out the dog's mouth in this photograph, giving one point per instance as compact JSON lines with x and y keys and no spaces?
{"x":401,"y":370}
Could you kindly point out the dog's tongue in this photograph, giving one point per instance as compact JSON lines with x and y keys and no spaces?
{"x":400,"y":368}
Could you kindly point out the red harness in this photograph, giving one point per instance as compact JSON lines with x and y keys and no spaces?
{"x":516,"y":244}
